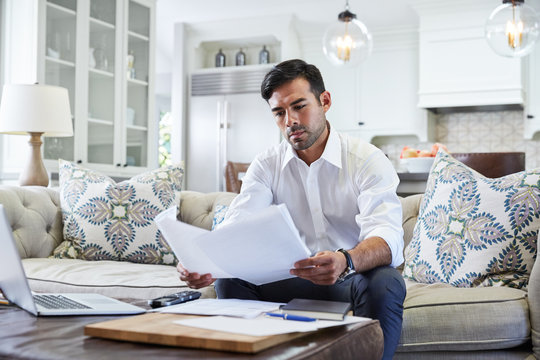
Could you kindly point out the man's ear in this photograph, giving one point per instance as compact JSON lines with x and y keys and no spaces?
{"x":326,"y":100}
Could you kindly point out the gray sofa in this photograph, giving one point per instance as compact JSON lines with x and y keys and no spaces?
{"x":439,"y":321}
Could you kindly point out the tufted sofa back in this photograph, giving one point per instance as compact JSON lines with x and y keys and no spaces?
{"x":198,"y":208}
{"x":36,"y":218}
{"x":35,"y":215}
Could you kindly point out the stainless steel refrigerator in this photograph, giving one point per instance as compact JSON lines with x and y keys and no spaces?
{"x":228,"y":121}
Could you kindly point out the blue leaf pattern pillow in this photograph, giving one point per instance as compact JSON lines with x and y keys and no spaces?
{"x":219,"y":214}
{"x":473,"y":230}
{"x":104,"y":220}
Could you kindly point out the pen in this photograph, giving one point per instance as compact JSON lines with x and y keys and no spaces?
{"x":291,"y":317}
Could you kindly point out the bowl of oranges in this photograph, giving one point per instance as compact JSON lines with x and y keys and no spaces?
{"x":419,"y":161}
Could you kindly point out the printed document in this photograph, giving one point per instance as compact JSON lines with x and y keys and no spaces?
{"x":227,"y":307}
{"x":259,"y":250}
{"x":262,"y":325}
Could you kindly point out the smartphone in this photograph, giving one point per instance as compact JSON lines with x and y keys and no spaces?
{"x":174,"y":299}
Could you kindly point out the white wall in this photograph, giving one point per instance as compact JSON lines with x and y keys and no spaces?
{"x":19,"y":60}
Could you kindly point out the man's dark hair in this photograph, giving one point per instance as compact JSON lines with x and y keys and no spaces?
{"x":288,"y":71}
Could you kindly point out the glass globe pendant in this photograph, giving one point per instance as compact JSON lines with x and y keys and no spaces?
{"x":512,"y":28}
{"x":347,"y":42}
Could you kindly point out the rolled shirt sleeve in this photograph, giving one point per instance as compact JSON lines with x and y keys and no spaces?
{"x":379,"y":206}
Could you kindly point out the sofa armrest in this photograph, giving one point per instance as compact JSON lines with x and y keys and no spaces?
{"x":410,"y":207}
{"x":534,"y":307}
{"x":35,"y":217}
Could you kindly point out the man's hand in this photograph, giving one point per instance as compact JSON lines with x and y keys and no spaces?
{"x":194,"y":280}
{"x":322,"y":269}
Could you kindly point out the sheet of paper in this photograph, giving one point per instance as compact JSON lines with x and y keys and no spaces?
{"x":183,"y":239}
{"x":228,"y":307}
{"x":263,"y":325}
{"x":260,"y":249}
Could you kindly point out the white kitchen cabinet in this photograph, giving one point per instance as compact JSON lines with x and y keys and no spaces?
{"x":532,"y":107}
{"x":83,"y":46}
{"x":387,"y":102}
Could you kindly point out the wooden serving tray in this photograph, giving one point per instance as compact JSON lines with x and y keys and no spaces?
{"x":157,"y":328}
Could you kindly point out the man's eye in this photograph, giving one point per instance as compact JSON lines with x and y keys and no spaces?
{"x":299,"y":107}
{"x":279,"y":113}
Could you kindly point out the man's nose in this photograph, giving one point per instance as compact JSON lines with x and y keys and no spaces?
{"x":290,"y":119}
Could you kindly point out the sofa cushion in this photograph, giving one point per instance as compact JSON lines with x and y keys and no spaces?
{"x":111,"y":278}
{"x":104,"y":220}
{"x":473,"y":230}
{"x":439,"y":317}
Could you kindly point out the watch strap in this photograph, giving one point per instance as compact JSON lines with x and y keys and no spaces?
{"x":349,"y":270}
{"x":350,"y":264}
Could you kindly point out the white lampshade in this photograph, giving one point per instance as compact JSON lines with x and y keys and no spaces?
{"x":27,"y":108}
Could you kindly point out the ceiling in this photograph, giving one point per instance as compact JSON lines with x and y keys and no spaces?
{"x":375,"y":14}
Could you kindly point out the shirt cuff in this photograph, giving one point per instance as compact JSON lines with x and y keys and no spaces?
{"x":394,"y":239}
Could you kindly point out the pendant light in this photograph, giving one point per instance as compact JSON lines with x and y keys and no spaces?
{"x":347,"y":42}
{"x":512,"y":28}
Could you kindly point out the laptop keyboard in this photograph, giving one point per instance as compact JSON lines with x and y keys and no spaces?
{"x":58,"y":302}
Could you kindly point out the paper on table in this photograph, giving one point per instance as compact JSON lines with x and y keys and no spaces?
{"x":229,"y":307}
{"x":260,"y":249}
{"x":262,"y":325}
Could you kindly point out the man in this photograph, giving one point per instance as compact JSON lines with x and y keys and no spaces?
{"x":341,"y":194}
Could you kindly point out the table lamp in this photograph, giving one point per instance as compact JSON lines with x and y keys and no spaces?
{"x":36,"y":110}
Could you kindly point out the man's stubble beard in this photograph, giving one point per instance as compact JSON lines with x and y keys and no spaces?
{"x":312,"y":136}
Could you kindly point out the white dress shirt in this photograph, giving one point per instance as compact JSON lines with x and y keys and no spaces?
{"x":347,"y":195}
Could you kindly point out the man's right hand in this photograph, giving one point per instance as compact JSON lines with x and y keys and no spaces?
{"x":194,"y":280}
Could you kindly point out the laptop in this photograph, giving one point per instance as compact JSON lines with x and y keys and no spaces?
{"x":14,"y":286}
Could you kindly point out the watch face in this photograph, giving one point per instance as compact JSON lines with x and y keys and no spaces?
{"x":346,"y":274}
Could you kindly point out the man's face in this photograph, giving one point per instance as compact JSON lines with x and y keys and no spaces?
{"x":298,"y":113}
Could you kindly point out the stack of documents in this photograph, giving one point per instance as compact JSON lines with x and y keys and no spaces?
{"x":228,"y":307}
{"x":260,"y":250}
{"x":246,"y":317}
{"x":262,"y":325}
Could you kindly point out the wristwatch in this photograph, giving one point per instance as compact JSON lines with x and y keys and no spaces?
{"x":349,"y":270}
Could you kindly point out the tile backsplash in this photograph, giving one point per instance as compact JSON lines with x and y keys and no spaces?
{"x":492,"y":131}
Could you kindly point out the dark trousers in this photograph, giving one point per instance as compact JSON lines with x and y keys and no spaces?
{"x":378,"y":294}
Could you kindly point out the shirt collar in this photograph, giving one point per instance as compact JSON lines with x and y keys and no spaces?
{"x":331,"y":153}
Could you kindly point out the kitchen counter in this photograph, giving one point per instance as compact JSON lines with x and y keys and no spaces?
{"x":411,"y":183}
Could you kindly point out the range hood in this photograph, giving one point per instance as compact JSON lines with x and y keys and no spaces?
{"x":478,"y":108}
{"x":458,"y":70}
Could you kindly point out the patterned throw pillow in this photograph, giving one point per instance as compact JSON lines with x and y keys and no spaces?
{"x":473,"y":230}
{"x":104,"y":220}
{"x":219,"y":214}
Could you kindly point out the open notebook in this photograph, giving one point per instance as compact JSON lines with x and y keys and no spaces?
{"x":15,"y":288}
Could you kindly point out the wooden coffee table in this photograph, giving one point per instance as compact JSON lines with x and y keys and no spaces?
{"x":25,"y":336}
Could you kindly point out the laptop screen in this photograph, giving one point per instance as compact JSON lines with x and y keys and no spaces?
{"x":12,"y":277}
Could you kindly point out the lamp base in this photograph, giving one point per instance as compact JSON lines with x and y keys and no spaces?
{"x":34,"y":173}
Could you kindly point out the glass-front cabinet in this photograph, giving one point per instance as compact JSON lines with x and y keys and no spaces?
{"x":138,"y":60}
{"x":102,"y":52}
{"x":60,"y":66}
{"x":101,"y":82}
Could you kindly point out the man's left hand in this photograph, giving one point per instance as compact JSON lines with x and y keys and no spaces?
{"x":322,"y":269}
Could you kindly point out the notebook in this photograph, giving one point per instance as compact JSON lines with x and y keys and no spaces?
{"x":14,"y":286}
{"x":319,"y":309}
